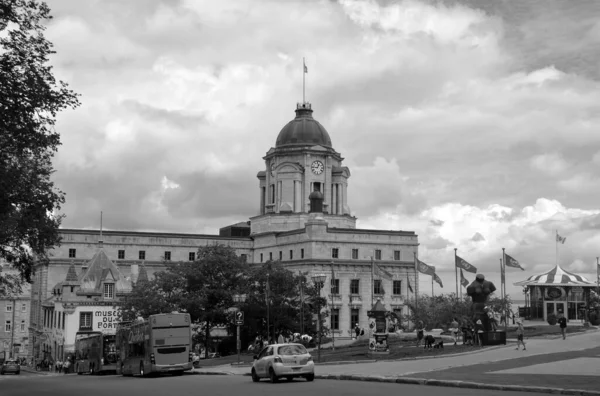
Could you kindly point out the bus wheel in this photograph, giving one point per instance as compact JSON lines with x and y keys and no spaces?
{"x":142,"y":373}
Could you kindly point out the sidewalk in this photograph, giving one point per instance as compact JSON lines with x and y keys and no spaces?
{"x":473,"y":363}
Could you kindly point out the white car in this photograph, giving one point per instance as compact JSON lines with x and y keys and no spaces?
{"x":283,"y":360}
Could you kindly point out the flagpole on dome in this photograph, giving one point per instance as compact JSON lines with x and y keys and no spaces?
{"x":304,"y":71}
{"x":556,"y":243}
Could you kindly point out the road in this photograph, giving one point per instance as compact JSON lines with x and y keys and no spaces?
{"x":214,"y":385}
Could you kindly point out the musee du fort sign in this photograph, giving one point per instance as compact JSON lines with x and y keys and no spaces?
{"x":105,"y":320}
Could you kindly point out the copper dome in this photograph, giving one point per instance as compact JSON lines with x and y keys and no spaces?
{"x":303,"y":130}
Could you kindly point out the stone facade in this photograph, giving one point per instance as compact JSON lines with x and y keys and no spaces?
{"x":14,"y":325}
{"x":285,"y":229}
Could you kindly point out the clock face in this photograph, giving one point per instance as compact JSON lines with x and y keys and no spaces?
{"x":317,"y":167}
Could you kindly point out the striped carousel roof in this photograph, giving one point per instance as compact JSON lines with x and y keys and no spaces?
{"x":557,"y":277}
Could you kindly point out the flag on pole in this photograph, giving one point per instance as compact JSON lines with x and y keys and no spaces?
{"x":463,"y":281}
{"x":560,"y":239}
{"x":424,"y":268}
{"x":380,"y":272}
{"x":463,"y":264}
{"x":409,"y":285}
{"x":511,"y":262}
{"x":437,"y":279}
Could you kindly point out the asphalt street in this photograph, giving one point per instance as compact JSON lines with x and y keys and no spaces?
{"x":567,"y":370}
{"x":214,"y":385}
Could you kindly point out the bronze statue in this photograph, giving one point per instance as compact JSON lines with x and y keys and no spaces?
{"x":479,"y":291}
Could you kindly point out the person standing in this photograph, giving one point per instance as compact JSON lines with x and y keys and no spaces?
{"x":420,"y":329}
{"x":520,"y":333}
{"x":562,"y":321}
{"x":357,"y":331}
{"x":454,"y":330}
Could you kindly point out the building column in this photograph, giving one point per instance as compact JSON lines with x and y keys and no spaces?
{"x":334,"y":205}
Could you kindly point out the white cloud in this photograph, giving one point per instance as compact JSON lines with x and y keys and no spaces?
{"x":455,"y":119}
{"x":551,"y":164}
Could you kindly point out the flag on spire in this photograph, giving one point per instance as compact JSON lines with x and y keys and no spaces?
{"x":560,"y":239}
{"x":511,"y":262}
{"x":463,"y":281}
{"x":463,"y":264}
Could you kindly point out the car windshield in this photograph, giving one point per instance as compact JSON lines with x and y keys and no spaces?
{"x":11,"y":362}
{"x":291,"y":350}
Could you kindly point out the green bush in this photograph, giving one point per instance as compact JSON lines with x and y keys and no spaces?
{"x":552,"y":319}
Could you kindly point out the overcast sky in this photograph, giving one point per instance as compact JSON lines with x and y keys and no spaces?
{"x":475,"y":124}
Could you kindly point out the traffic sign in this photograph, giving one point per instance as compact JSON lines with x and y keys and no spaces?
{"x":239,"y":318}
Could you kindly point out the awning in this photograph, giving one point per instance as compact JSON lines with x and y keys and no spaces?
{"x":556,"y":277}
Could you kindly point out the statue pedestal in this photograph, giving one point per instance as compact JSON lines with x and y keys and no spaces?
{"x":493,"y":337}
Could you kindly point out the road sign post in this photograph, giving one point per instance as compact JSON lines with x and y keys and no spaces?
{"x":239,"y":320}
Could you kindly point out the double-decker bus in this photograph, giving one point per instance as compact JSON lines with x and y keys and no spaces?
{"x":95,"y":352}
{"x":160,"y":344}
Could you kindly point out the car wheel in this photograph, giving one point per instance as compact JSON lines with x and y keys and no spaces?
{"x":17,"y":373}
{"x":142,"y":373}
{"x":272,"y":376}
{"x":289,"y":378}
{"x":310,"y":377}
{"x":255,"y":377}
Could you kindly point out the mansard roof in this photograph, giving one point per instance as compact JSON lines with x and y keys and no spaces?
{"x":100,"y":269}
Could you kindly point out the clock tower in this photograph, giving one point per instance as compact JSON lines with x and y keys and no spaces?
{"x":303,"y":161}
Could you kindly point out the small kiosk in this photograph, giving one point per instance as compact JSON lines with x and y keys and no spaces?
{"x":378,"y":330}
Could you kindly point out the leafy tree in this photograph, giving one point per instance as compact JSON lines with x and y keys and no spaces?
{"x":30,"y":99}
{"x":285,"y":310}
{"x":203,"y":288}
{"x":149,"y":297}
{"x":439,"y":311}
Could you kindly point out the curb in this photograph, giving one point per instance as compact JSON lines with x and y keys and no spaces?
{"x":45,"y":373}
{"x":456,"y":384}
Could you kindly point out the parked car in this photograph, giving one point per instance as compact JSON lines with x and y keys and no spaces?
{"x":283,"y":360}
{"x":10,"y":366}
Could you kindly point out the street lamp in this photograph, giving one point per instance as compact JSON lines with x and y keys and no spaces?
{"x":319,"y":280}
{"x":239,"y":320}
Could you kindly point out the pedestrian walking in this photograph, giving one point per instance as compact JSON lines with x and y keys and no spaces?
{"x":357,"y":331}
{"x":520,"y":333}
{"x":59,"y":366}
{"x":562,"y":321}
{"x":66,"y":365}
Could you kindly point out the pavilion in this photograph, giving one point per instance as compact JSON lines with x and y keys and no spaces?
{"x":556,"y":291}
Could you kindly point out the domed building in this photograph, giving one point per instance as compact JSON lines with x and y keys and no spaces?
{"x":303,"y":221}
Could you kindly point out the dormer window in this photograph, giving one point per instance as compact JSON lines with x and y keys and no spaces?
{"x":109,"y":290}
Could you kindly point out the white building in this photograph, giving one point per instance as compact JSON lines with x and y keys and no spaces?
{"x":302,"y":165}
